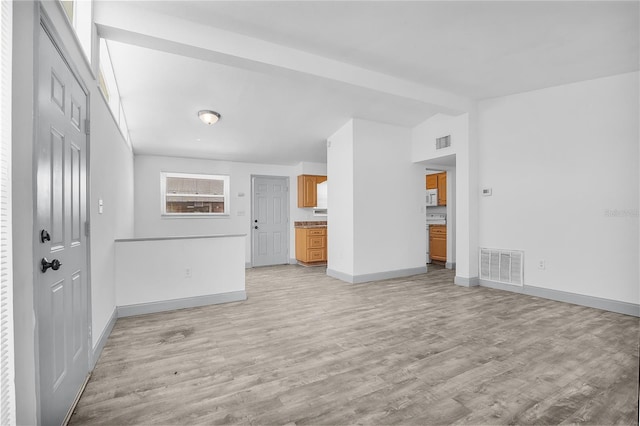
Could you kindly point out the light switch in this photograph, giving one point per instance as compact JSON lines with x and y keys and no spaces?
{"x":100,"y":206}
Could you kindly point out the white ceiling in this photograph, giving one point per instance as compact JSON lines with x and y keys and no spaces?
{"x":286,"y":75}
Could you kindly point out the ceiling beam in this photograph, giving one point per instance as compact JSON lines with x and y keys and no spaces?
{"x":131,"y":24}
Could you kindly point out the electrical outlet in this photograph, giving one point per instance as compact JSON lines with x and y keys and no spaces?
{"x":187,"y":273}
{"x":540,"y":264}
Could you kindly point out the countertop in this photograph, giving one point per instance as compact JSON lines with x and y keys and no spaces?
{"x":310,"y":224}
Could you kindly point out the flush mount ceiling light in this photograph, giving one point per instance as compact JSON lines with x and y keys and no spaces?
{"x":208,"y":116}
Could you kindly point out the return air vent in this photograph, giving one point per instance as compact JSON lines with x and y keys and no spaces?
{"x":443,"y":142}
{"x":504,"y":266}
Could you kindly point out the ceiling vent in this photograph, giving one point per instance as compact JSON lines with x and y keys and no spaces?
{"x":443,"y":142}
{"x":503,"y":266}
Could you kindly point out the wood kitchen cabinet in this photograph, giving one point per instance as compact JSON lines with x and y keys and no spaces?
{"x":438,"y":181}
{"x":438,"y":242}
{"x":307,"y":190}
{"x":311,"y":245}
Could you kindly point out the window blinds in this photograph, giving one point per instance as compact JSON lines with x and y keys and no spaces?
{"x":7,"y":386}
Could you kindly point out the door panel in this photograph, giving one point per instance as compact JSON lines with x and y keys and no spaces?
{"x":270,"y":221}
{"x":61,"y":294}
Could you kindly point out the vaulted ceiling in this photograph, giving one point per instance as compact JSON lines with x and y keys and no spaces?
{"x":286,"y":75}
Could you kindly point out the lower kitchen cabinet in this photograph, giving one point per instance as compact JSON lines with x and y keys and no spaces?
{"x":311,"y":245}
{"x":438,"y":242}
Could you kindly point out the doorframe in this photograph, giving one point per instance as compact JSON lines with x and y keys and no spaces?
{"x":288,"y":180}
{"x":43,"y":22}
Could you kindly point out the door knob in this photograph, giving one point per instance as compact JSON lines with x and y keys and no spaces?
{"x":255,"y":227}
{"x":45,"y":264}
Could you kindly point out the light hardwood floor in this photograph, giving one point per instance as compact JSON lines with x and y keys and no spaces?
{"x":308,"y":349}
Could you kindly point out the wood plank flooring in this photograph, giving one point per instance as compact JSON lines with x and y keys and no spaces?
{"x":308,"y":349}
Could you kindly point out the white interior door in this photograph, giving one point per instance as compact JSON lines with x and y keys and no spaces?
{"x":61,"y":285}
{"x":270,"y":221}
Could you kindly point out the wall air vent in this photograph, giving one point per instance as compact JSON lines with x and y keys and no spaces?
{"x":443,"y":142}
{"x":503,"y":266}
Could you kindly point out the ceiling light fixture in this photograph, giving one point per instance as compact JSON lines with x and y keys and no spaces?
{"x":208,"y":116}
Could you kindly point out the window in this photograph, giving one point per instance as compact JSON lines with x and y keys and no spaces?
{"x":80,"y":14}
{"x":109,"y":89}
{"x":194,"y":194}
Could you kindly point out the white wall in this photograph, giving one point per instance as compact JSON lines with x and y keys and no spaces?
{"x":112,"y":182}
{"x":560,"y":161}
{"x":155,"y":271}
{"x":376,"y":201}
{"x":340,"y":200}
{"x":388,"y":200}
{"x":150,"y":223}
{"x":424,"y":135}
{"x":110,"y":166}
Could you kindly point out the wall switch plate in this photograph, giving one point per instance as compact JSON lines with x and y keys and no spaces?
{"x":187,"y":273}
{"x":541,"y":264}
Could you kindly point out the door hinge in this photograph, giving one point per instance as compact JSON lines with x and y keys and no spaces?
{"x":86,"y":228}
{"x":87,"y":126}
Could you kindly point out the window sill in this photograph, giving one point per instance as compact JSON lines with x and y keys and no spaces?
{"x":195,"y":215}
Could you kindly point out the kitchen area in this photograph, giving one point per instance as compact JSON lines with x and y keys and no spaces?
{"x":436,"y":218}
{"x":311,"y":236}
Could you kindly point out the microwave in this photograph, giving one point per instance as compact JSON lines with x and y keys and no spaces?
{"x":432,"y":197}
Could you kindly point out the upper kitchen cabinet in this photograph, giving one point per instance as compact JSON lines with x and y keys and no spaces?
{"x":438,"y":181}
{"x":442,"y":189}
{"x":307,"y":190}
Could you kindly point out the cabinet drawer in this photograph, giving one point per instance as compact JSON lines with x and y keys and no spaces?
{"x":317,"y":231}
{"x":314,"y":255}
{"x":316,"y":242}
{"x":437,"y":230}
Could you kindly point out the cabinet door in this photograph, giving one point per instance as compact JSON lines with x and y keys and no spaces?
{"x":307,"y":196}
{"x":438,"y":242}
{"x":442,"y":189}
{"x":438,"y":248}
{"x":301,"y":244}
{"x":432,"y":181}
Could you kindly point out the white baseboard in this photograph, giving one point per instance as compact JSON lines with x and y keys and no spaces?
{"x":466,"y":282}
{"x":104,"y":336}
{"x":563,"y":296}
{"x":188,"y":302}
{"x":377,"y":276}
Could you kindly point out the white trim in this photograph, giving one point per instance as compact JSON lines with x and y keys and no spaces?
{"x":376,"y":276}
{"x":573,"y":298}
{"x":466,"y":282}
{"x":102,"y":341}
{"x":187,"y":302}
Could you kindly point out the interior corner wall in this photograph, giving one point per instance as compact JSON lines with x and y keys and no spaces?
{"x":563,"y":165}
{"x":111,"y":169}
{"x":340,"y":181}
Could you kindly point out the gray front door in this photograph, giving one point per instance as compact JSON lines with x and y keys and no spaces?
{"x":270,"y":221}
{"x":61,"y":290}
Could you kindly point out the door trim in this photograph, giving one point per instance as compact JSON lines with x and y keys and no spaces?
{"x":44,"y":22}
{"x":288,"y":180}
